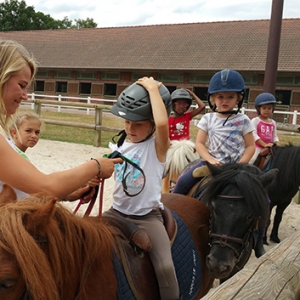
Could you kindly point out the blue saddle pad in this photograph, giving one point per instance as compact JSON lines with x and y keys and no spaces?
{"x":186,"y":261}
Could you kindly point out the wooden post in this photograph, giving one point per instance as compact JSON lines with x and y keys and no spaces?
{"x":98,"y":121}
{"x":37,"y":108}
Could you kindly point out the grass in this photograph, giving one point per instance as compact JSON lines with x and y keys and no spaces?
{"x":77,"y":135}
{"x":86,"y":136}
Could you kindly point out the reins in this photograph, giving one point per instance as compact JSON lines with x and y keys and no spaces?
{"x":100,"y":188}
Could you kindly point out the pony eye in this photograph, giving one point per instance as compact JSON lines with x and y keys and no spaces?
{"x":7,"y":284}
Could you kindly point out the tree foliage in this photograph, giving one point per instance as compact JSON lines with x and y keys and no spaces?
{"x":16,"y":15}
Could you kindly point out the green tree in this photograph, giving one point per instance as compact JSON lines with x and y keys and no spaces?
{"x":16,"y":15}
{"x":88,"y":23}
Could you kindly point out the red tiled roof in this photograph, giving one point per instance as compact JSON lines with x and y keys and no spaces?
{"x":239,"y":45}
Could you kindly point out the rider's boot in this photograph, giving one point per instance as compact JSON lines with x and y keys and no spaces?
{"x":259,"y":247}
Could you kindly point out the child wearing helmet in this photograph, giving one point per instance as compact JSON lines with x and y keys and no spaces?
{"x":179,"y":121}
{"x":230,"y":133}
{"x":265,"y":131}
{"x":145,"y":106}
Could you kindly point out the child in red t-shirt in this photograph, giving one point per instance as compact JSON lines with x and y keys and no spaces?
{"x":179,"y":121}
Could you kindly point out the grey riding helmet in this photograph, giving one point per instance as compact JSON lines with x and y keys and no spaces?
{"x":264,"y":98}
{"x":181,"y":94}
{"x":226,"y":81}
{"x":134,"y":103}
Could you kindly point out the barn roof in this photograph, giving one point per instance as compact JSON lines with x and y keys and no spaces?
{"x":239,"y":45}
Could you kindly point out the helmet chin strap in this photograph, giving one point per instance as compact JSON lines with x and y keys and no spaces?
{"x":229,"y":113}
{"x":122,"y":135}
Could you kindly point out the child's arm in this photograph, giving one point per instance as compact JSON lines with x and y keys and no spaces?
{"x":160,"y":116}
{"x":200,"y":107}
{"x":201,"y":148}
{"x":250,"y":148}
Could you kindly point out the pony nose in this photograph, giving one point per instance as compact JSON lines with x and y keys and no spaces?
{"x":218,"y":269}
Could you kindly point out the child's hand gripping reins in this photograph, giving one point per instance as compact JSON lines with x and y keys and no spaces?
{"x":127,"y":161}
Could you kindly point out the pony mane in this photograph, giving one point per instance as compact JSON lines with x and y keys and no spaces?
{"x":243,"y":178}
{"x":73,"y":243}
{"x":179,"y":155}
{"x":286,"y":159}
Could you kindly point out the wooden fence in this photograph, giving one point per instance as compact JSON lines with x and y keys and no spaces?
{"x":97,"y":127}
{"x":99,"y":109}
{"x":275,"y":275}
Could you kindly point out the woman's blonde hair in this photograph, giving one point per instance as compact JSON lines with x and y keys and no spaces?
{"x":13,"y":58}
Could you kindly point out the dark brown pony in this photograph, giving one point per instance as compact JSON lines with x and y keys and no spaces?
{"x":46,"y":252}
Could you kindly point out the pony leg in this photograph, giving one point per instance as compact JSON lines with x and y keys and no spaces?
{"x":277,"y":219}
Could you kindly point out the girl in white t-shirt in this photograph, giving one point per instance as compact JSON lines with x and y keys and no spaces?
{"x":145,"y":106}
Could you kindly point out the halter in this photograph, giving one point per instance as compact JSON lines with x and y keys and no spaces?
{"x":224,"y":240}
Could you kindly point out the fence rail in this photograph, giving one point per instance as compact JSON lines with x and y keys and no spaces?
{"x":97,"y":127}
{"x":96,"y":106}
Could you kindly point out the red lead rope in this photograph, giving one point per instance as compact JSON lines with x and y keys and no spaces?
{"x":92,"y":202}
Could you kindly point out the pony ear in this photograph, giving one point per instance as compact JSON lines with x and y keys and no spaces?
{"x":8,"y":194}
{"x":38,"y":221}
{"x":267,"y":177}
{"x":214,"y":170}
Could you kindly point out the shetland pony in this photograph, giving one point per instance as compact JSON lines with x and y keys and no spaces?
{"x":47,"y":252}
{"x":180,"y":154}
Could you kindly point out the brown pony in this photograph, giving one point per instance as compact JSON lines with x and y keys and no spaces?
{"x":46,"y":252}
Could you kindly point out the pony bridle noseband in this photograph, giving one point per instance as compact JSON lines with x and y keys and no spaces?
{"x":224,"y":240}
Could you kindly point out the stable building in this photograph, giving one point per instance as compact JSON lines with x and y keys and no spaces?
{"x":101,"y":62}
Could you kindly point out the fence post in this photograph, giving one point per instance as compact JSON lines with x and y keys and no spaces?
{"x":37,"y":108}
{"x":294,"y":117}
{"x":32,"y":98}
{"x":89,"y":102}
{"x":98,"y":121}
{"x":58,"y":107}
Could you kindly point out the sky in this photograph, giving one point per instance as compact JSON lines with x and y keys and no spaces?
{"x":116,"y":13}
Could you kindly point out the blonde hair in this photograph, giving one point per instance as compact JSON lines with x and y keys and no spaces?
{"x":20,"y":118}
{"x":13,"y":58}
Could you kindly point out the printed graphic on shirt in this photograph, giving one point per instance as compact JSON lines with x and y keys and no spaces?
{"x":179,"y":128}
{"x":134,"y":179}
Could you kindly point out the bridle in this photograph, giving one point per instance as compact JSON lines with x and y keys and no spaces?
{"x":224,"y":240}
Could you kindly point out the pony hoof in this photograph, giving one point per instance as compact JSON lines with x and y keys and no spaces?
{"x":265,"y":242}
{"x":275,"y":239}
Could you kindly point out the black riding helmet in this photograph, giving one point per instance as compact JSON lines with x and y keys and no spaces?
{"x":134,"y":104}
{"x":181,"y":94}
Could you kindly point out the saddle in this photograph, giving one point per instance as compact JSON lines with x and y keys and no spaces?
{"x":132,"y":247}
{"x":264,"y":158}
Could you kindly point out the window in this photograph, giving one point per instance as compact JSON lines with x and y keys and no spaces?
{"x":110,"y":89}
{"x":62,"y":74}
{"x":200,"y":78}
{"x":283,"y":97}
{"x":110,"y":76}
{"x":85,"y":88}
{"x":171,"y":88}
{"x":42,"y":74}
{"x":170,"y":77}
{"x":250,"y":79}
{"x":39,"y":86}
{"x":61,"y":87}
{"x":136,"y":76}
{"x":86,"y":75}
